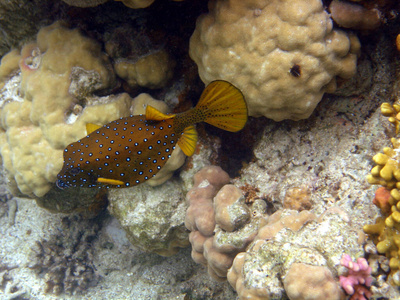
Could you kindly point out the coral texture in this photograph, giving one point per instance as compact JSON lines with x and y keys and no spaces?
{"x":220,"y":221}
{"x":59,"y":74}
{"x":295,"y":243}
{"x":283,"y":55}
{"x":355,"y":16}
{"x":309,"y":282}
{"x":358,"y":280}
{"x":65,"y":261}
{"x":386,"y":231}
{"x":152,"y":217}
{"x":56,"y":104}
{"x":140,"y":57}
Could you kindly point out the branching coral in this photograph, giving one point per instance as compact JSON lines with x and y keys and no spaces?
{"x":358,"y":280}
{"x":386,"y":231}
{"x":283,"y":55}
{"x":65,"y":261}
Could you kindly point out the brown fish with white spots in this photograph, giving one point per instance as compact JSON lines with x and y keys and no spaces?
{"x":131,"y":150}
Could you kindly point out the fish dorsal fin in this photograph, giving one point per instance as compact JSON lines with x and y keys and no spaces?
{"x":188,"y":140}
{"x":109,"y":181}
{"x":90,"y":127}
{"x":223,"y":106}
{"x":153,"y":114}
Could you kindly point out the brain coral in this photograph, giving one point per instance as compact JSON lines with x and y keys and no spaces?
{"x":283,"y":55}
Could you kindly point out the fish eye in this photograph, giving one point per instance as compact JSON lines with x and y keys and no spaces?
{"x":74,"y":171}
{"x":61,"y":184}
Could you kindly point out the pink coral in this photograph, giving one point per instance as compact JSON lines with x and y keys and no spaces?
{"x":358,"y":280}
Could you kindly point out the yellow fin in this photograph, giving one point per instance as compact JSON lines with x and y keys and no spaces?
{"x":90,"y":127}
{"x":152,"y":114}
{"x":223,"y":105}
{"x":188,"y":140}
{"x":109,"y":181}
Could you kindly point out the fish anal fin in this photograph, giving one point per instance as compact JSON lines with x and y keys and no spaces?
{"x":90,"y":127}
{"x":223,"y":105}
{"x":109,"y":181}
{"x":188,"y":140}
{"x":152,"y":114}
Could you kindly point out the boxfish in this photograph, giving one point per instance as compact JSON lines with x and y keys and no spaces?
{"x":131,"y":150}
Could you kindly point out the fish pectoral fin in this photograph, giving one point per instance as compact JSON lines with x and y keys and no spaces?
{"x":152,"y":114}
{"x":109,"y":181}
{"x":188,"y":140}
{"x":90,"y":127}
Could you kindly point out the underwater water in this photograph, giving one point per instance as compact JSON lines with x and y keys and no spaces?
{"x":266,"y":212}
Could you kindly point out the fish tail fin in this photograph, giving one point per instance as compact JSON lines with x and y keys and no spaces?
{"x":223,"y":106}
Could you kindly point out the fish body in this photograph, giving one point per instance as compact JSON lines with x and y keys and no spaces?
{"x":131,"y":150}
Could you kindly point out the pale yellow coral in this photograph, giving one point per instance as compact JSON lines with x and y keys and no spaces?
{"x":9,"y":63}
{"x":152,"y":71}
{"x":283,"y":55}
{"x":51,"y":114}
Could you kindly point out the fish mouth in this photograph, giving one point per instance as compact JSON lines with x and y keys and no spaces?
{"x":62,"y":184}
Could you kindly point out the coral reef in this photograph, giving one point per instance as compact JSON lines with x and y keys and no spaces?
{"x":282,"y":60}
{"x":298,"y":198}
{"x":140,"y":57}
{"x":354,"y":15}
{"x":358,"y":280}
{"x":65,"y":260}
{"x":304,"y":281}
{"x":152,"y":216}
{"x":386,"y":231}
{"x":55,"y":107}
{"x":220,"y":221}
{"x":295,"y":243}
{"x":313,"y":164}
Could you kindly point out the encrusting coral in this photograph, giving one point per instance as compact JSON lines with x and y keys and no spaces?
{"x":152,"y":217}
{"x":293,"y":243}
{"x":255,"y":252}
{"x":283,"y":55}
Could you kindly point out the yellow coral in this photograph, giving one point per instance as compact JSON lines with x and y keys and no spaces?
{"x":387,"y":170}
{"x":393,"y":112}
{"x":386,"y":231}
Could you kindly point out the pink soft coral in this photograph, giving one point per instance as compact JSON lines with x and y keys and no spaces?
{"x":358,"y":280}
